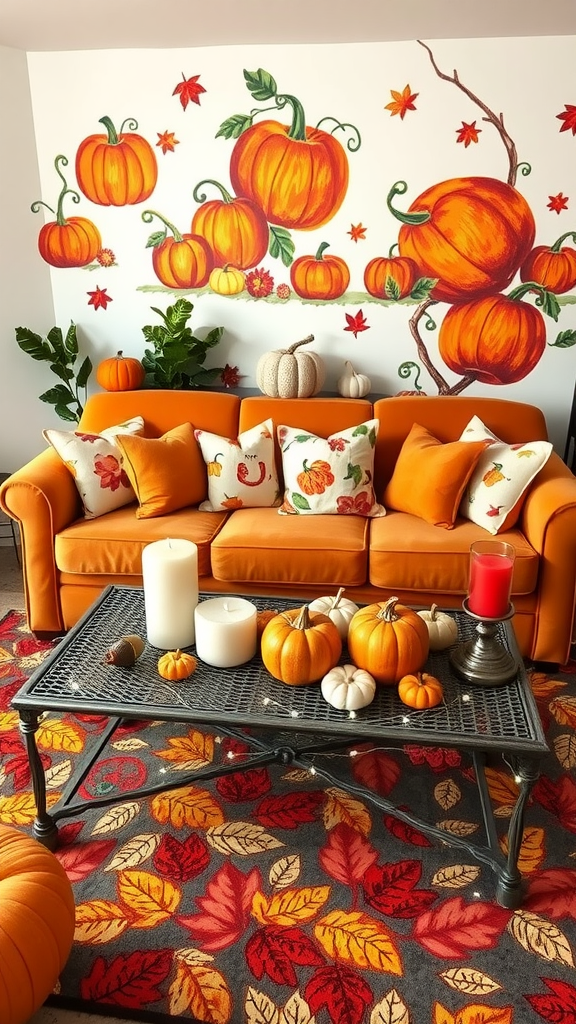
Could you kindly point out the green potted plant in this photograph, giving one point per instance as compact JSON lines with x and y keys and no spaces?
{"x":62,"y":354}
{"x":177,"y":357}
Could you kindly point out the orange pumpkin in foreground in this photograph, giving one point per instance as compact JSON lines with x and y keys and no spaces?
{"x":120,"y":373}
{"x":36,"y":924}
{"x":300,"y":646}
{"x":420,"y":690}
{"x":388,"y":639}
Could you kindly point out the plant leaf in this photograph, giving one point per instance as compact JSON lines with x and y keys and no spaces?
{"x":84,"y":373}
{"x":233,"y":127}
{"x":281,"y":245}
{"x":566,"y":339}
{"x":261,"y":84}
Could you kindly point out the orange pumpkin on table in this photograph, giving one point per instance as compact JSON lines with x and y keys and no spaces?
{"x":554,"y":267}
{"x":388,"y":639}
{"x":300,"y":646}
{"x":420,"y":690}
{"x":120,"y":373}
{"x":116,"y":169}
{"x":319,"y":276}
{"x":472,"y":234}
{"x":235,"y":228}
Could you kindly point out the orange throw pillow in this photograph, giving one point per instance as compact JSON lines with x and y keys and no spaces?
{"x":429,"y":477}
{"x":167,"y":473}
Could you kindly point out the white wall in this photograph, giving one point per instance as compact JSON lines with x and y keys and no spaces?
{"x":352,"y":82}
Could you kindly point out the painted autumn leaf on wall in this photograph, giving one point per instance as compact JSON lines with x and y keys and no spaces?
{"x":401,"y":102}
{"x":569,"y":118}
{"x":189,"y":90}
{"x":167,"y":141}
{"x":558,"y":203}
{"x":468,"y":133}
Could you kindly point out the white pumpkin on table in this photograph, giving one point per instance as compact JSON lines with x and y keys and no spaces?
{"x":442,"y":628}
{"x":348,"y":688}
{"x":339,"y":609}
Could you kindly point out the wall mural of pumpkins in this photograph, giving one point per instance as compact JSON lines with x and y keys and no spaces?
{"x":464,"y":255}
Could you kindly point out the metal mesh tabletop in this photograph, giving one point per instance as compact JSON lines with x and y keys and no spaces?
{"x":75,"y":678}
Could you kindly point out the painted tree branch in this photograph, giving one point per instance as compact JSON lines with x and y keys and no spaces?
{"x":490,"y":116}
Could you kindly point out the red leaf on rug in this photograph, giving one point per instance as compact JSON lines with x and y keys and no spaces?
{"x":274,"y":951}
{"x":67,"y":833}
{"x":559,"y":1010}
{"x":552,"y":893}
{"x":244,"y":785}
{"x":347,"y":855}
{"x":81,"y":859}
{"x":405,"y":832}
{"x":10,"y":743}
{"x":10,"y":626}
{"x":19,"y":768}
{"x":29,"y":645}
{"x":455,"y":928}
{"x":15,"y":679}
{"x":390,"y":889}
{"x":343,"y":992}
{"x":224,"y":910}
{"x":439,"y":758}
{"x":181,"y":861}
{"x":128,"y":980}
{"x":377,"y":770}
{"x":559,"y":797}
{"x":288,"y":810}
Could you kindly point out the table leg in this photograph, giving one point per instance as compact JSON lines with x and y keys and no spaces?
{"x":509,"y":886}
{"x":44,"y":828}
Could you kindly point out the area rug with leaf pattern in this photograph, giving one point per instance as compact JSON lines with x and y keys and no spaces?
{"x":271,"y":897}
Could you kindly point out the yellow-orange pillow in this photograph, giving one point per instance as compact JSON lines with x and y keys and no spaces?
{"x":167,"y":473}
{"x":429,"y":477}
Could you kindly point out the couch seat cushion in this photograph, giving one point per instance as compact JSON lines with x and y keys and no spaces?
{"x":406,"y":553}
{"x":257,"y":545}
{"x":112,"y":544}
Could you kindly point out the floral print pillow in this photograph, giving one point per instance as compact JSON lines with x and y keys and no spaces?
{"x":241,"y":471}
{"x":96,"y":465}
{"x":329,"y":476}
{"x":494,"y":495}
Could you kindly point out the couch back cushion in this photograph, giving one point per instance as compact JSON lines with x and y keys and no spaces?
{"x":163,"y":410}
{"x":446,"y":416}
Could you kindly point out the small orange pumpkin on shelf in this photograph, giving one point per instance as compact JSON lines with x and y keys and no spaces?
{"x":300,"y":646}
{"x":120,"y":373}
{"x":176,"y":665}
{"x":420,"y":690}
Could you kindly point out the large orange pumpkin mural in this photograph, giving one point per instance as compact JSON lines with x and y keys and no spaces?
{"x":116,"y":169}
{"x":236,"y":229}
{"x":67,"y":241}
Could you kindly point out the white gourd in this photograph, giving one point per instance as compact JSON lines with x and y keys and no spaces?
{"x":340,"y":610}
{"x":442,"y":628}
{"x":352,"y":384}
{"x":286,"y":373}
{"x":348,"y":688}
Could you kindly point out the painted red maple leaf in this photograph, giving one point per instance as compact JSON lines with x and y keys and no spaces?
{"x":99,"y":298}
{"x":189,"y":90}
{"x":558,"y":203}
{"x":167,"y":141}
{"x":230,"y":376}
{"x":468,"y":133}
{"x":357,"y":323}
{"x":560,"y":1005}
{"x":357,"y":231}
{"x":401,"y":102}
{"x":568,"y":116}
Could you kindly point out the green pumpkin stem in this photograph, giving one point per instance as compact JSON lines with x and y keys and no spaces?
{"x":60,"y":218}
{"x":321,"y":250}
{"x":227,"y":198}
{"x":558,"y":242}
{"x":399,"y":189}
{"x":148,"y":215}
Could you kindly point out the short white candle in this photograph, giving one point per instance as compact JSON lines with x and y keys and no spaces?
{"x":170,"y":575}
{"x":225,"y":631}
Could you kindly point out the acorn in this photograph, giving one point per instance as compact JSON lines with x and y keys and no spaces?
{"x":125,"y":651}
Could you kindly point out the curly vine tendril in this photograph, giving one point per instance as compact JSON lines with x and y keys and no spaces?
{"x":405,"y":371}
{"x":429,"y":323}
{"x":353,"y":144}
{"x":132,"y":124}
{"x":524,"y":168}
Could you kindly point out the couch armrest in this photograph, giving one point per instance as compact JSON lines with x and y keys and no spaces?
{"x":548,"y":522}
{"x":43,"y":499}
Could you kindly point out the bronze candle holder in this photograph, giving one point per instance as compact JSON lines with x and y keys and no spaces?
{"x":483,"y":660}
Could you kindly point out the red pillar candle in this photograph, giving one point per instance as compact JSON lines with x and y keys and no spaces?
{"x":491,"y":568}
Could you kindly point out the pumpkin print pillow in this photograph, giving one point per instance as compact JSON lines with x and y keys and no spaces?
{"x":329,"y":476}
{"x":498,"y":486}
{"x":241,"y":471}
{"x":95,"y":462}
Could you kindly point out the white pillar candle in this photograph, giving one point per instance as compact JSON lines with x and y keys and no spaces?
{"x":170,"y":575}
{"x":225,"y":631}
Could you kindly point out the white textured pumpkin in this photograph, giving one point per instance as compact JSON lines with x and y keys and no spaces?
{"x":442,"y":628}
{"x":338,"y":608}
{"x":348,"y":688}
{"x":352,"y":384}
{"x":286,"y":373}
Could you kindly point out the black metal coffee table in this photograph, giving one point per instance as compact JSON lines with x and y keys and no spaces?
{"x":287,"y":725}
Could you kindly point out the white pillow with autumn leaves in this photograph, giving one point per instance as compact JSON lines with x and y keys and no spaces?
{"x":329,"y":476}
{"x":494,"y":495}
{"x":241,"y":471}
{"x":96,"y":465}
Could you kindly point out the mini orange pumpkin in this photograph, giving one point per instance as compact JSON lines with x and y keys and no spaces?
{"x":300,"y":646}
{"x":176,"y":665}
{"x":120,"y":373}
{"x":388,"y":640}
{"x":420,"y":690}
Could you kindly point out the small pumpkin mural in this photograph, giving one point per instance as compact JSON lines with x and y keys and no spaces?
{"x":67,"y":241}
{"x":180,"y":261}
{"x":116,"y":168}
{"x":391,"y":277}
{"x":553,"y":267}
{"x":235,"y":228}
{"x":320,"y":277}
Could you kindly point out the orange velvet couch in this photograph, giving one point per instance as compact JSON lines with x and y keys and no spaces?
{"x":68,"y":560}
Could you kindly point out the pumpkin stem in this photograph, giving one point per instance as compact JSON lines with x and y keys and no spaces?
{"x":113,"y":139}
{"x":545,"y":299}
{"x":60,"y":218}
{"x":558,"y":242}
{"x":336,"y":600}
{"x":391,"y":251}
{"x":303,"y":620}
{"x":399,"y":189}
{"x":388,"y":612}
{"x":227,"y":198}
{"x":433,"y":610}
{"x":321,"y":248}
{"x":148,"y":215}
{"x":297,"y":129}
{"x":297,"y":344}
